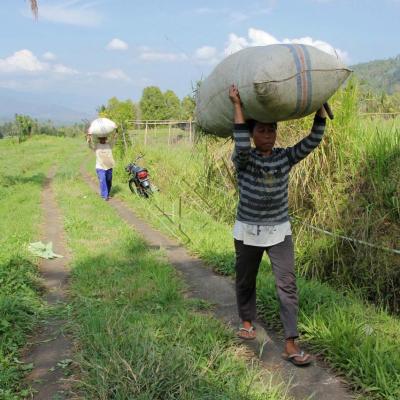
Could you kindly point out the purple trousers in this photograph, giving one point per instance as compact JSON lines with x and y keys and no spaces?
{"x":105,"y":181}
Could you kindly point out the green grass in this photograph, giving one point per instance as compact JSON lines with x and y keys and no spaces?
{"x":23,"y":170}
{"x":358,"y":339}
{"x":139,"y":336}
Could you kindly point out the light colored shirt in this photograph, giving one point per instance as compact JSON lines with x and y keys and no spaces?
{"x":261,"y":235}
{"x":104,"y":156}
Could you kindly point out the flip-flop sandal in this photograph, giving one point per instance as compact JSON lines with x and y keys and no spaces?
{"x":292,"y":358}
{"x":246,"y":336}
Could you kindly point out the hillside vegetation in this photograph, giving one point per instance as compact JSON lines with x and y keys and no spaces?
{"x":380,"y":75}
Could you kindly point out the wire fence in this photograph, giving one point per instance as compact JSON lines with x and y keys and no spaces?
{"x":160,"y":132}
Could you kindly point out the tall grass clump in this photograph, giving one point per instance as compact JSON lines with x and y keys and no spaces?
{"x":350,"y":187}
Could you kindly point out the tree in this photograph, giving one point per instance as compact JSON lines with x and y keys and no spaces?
{"x":173,"y":105}
{"x":187,"y":108}
{"x":152,"y":104}
{"x":119,"y":111}
{"x":25,"y":126}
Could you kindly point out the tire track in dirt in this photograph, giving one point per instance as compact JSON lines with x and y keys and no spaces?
{"x":50,"y":347}
{"x":314,"y":382}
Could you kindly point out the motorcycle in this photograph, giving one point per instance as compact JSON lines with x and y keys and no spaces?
{"x":139,"y":181}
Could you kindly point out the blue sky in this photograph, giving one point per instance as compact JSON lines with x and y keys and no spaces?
{"x":81,"y":52}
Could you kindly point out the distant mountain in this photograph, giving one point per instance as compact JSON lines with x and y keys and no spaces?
{"x":12,"y":103}
{"x":380,"y":75}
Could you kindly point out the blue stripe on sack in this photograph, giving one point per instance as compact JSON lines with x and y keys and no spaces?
{"x":309,"y":81}
{"x":299,"y":80}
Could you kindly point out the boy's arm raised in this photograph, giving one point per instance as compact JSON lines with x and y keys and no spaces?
{"x":241,"y":132}
{"x":303,"y":148}
{"x":89,"y":140}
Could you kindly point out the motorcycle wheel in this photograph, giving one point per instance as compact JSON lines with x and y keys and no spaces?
{"x":132,"y":186}
{"x":137,"y":189}
{"x":145,"y":192}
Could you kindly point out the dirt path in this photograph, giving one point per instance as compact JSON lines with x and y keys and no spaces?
{"x":314,"y":382}
{"x":51,"y":347}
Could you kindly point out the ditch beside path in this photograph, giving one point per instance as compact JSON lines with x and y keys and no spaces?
{"x":50,"y":348}
{"x":313,"y":382}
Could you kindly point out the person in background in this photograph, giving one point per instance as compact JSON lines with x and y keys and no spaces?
{"x":262,"y":222}
{"x":104,"y":162}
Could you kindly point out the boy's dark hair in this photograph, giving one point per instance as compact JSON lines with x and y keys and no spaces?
{"x":251,"y":123}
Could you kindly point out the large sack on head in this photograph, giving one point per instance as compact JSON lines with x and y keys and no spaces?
{"x":276,"y":83}
{"x":102,"y":127}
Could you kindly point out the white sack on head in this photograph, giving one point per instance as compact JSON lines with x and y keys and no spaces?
{"x":102,"y":127}
{"x":276,"y":83}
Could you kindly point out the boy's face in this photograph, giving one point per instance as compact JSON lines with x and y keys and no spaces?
{"x":264,"y":136}
{"x":102,"y":140}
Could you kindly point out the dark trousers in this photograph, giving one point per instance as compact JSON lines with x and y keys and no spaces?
{"x":281,"y":255}
{"x":105,"y":181}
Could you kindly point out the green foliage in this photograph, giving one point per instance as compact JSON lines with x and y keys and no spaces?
{"x":187,"y":108}
{"x":380,"y":75}
{"x":173,"y":105}
{"x":118,"y":111}
{"x":158,"y":106}
{"x":25,"y":126}
{"x":20,"y":128}
{"x":121,"y":112}
{"x":152,"y":104}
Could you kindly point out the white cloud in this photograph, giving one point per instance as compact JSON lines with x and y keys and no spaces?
{"x":261,"y":38}
{"x":71,"y":12}
{"x":115,"y":74}
{"x":64,"y":70}
{"x":258,"y":37}
{"x":149,"y":55}
{"x":117,"y":44}
{"x":49,"y":56}
{"x":22,"y":61}
{"x":205,"y":53}
{"x":319,"y":44}
{"x":235,"y":43}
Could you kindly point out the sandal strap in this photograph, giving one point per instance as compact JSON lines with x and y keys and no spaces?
{"x":296,"y":355}
{"x":250,"y":330}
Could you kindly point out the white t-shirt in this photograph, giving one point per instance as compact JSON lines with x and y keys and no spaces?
{"x":261,"y":235}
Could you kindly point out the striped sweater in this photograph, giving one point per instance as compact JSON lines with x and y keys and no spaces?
{"x":263,"y":180}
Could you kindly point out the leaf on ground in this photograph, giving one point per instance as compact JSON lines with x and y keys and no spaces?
{"x":42,"y":250}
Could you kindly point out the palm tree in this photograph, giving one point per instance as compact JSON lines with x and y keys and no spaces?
{"x":34,"y":7}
